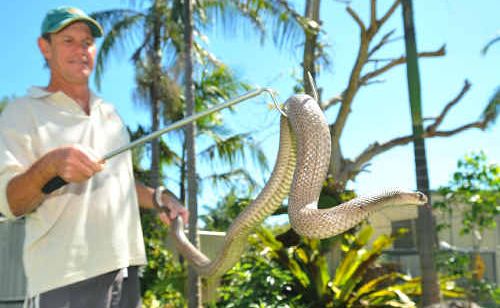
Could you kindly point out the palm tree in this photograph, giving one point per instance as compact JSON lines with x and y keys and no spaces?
{"x":194,"y":282}
{"x":425,"y":222}
{"x":157,"y":33}
{"x":159,"y":27}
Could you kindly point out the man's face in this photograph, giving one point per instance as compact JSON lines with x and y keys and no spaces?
{"x":70,"y":53}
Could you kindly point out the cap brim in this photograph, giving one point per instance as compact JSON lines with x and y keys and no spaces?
{"x":94,"y":26}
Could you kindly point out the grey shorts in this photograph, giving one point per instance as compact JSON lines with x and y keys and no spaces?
{"x":117,"y":289}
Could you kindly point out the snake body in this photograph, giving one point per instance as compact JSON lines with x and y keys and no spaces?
{"x":300,"y":170}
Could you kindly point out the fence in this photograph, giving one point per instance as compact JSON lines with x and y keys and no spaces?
{"x":12,"y":280}
{"x":408,"y":261}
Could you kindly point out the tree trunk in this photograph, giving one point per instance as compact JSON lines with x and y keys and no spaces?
{"x":194,"y":282}
{"x":426,"y":232}
{"x":311,"y":13}
{"x":155,"y":57}
{"x":290,"y":237}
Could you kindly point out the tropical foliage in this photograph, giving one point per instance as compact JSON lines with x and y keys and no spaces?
{"x":474,"y":192}
{"x":155,"y":30}
{"x":475,"y":188}
{"x":4,"y":101}
{"x":220,"y":217}
{"x":163,"y":278}
{"x":257,"y":281}
{"x":301,"y":274}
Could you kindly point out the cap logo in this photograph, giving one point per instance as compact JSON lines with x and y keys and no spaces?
{"x":74,"y":11}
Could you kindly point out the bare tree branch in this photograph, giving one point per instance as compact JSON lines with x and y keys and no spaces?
{"x":377,"y":60}
{"x":354,"y":81}
{"x":340,"y":168}
{"x":376,"y":81}
{"x":373,"y":14}
{"x":375,"y":149}
{"x":446,"y":133}
{"x":352,"y":168}
{"x":490,"y":43}
{"x":432,"y":128}
{"x":356,"y":17}
{"x":398,"y":61}
{"x":382,"y":42}
{"x":389,"y":12}
{"x":331,"y":101}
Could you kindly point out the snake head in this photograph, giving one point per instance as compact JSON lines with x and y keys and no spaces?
{"x":399,"y":197}
{"x":411,"y":198}
{"x":422,"y":198}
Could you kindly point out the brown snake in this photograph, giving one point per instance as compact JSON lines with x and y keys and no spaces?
{"x":301,"y":168}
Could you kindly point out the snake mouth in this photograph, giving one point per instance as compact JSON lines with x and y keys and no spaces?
{"x":422,"y":198}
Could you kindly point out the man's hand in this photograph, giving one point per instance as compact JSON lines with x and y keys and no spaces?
{"x":74,"y":163}
{"x":161,"y":200}
{"x":173,"y":209}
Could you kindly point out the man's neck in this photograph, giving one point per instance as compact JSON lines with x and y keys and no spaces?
{"x":79,"y":93}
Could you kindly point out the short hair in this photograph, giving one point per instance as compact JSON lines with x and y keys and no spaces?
{"x":46,"y":36}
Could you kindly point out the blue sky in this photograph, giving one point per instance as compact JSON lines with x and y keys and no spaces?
{"x":380,"y":112}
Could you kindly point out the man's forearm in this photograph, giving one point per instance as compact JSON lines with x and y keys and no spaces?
{"x":144,"y":195}
{"x":171,"y":208}
{"x":24,"y":191}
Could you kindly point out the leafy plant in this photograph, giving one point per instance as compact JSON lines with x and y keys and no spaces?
{"x":302,"y":274}
{"x":4,"y":101}
{"x":163,"y":278}
{"x":475,"y":187}
{"x":222,"y":215}
{"x":257,"y":281}
{"x":474,"y":191}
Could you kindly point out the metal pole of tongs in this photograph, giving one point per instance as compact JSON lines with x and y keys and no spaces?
{"x":188,"y":120}
{"x":58,"y":182}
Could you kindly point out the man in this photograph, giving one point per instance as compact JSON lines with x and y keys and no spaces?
{"x":83,"y":241}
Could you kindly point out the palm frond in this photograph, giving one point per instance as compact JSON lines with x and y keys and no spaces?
{"x":107,"y":18}
{"x":227,"y":150}
{"x":229,"y":178}
{"x":137,"y":54}
{"x":234,"y":149}
{"x":168,"y":155}
{"x":253,"y":16}
{"x":288,"y":26}
{"x":233,"y":15}
{"x":115,"y":37}
{"x":170,"y":91}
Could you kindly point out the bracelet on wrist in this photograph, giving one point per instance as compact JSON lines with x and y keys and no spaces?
{"x":157,"y":198}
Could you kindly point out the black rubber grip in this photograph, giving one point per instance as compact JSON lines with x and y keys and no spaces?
{"x":54,"y":184}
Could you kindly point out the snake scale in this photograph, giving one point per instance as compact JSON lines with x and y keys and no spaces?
{"x":299,"y":172}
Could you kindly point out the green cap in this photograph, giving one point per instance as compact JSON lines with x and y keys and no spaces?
{"x":63,"y":16}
